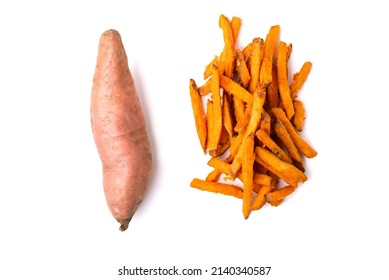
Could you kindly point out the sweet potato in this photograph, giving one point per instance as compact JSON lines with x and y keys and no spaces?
{"x":119,"y":130}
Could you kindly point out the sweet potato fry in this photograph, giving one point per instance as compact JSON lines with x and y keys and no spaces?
{"x":286,"y":139}
{"x":272,"y":146}
{"x":242,"y":69}
{"x":208,"y":68}
{"x":300,"y":143}
{"x":213,"y":176}
{"x":280,"y":194}
{"x":283,"y":84}
{"x":235,"y":89}
{"x":229,"y":46}
{"x":217,"y":113}
{"x":255,"y":63}
{"x":265,"y":76}
{"x":286,"y":171}
{"x":273,"y":98}
{"x":216,"y":187}
{"x":236,"y":22}
{"x":299,"y":79}
{"x":227,"y":116}
{"x":260,"y":199}
{"x":247,"y":173}
{"x":299,"y":115}
{"x":198,"y":113}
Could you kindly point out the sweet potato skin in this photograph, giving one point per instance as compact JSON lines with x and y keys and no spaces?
{"x":119,"y":130}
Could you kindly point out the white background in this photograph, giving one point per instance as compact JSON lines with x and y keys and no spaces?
{"x":53,"y":218}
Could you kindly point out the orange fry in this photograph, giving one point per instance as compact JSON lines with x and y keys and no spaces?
{"x":286,"y":171}
{"x":299,"y":79}
{"x":299,"y":114}
{"x":198,"y":113}
{"x":234,"y":88}
{"x":265,"y":76}
{"x":272,"y":146}
{"x":280,"y":193}
{"x":286,"y":139}
{"x":283,"y":84}
{"x":216,"y":187}
{"x":300,"y":143}
{"x":229,"y":46}
{"x":247,"y":173}
{"x":255,"y":61}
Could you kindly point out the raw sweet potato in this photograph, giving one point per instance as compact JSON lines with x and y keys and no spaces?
{"x":119,"y":130}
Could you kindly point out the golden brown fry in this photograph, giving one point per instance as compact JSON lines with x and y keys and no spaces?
{"x":299,"y":79}
{"x":216,"y":187}
{"x":198,"y":113}
{"x":299,"y":114}
{"x":280,"y":193}
{"x":247,"y":173}
{"x":286,"y":140}
{"x":217,"y":113}
{"x":229,"y":46}
{"x":242,"y":69}
{"x":265,"y":76}
{"x":235,"y":89}
{"x":283,"y":84}
{"x":300,"y":143}
{"x":255,"y":63}
{"x":272,"y":146}
{"x":286,"y":171}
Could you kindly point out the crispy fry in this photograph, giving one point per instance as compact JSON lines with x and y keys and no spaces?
{"x":227,"y":116}
{"x":283,"y":84}
{"x":271,"y":41}
{"x":239,"y":110}
{"x":208,"y":68}
{"x":300,"y":143}
{"x":280,"y":194}
{"x":213,"y":176}
{"x":198,"y":113}
{"x":234,"y":88}
{"x":299,"y":115}
{"x":265,"y":124}
{"x":299,"y":79}
{"x":236,"y":22}
{"x":242,"y":69}
{"x":286,"y":171}
{"x":216,"y":187}
{"x":286,"y":139}
{"x":262,"y":179}
{"x":220,"y":165}
{"x":247,"y":173}
{"x":272,"y":146}
{"x":229,"y":46}
{"x":217,"y":113}
{"x":210,"y":120}
{"x":273,"y":98}
{"x":260,"y":199}
{"x":247,"y":50}
{"x":255,"y":63}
